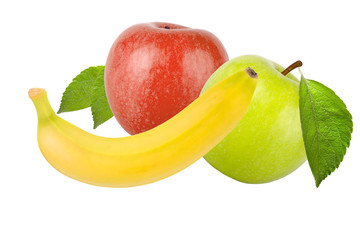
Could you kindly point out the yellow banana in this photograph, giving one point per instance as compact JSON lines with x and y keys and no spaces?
{"x":149,"y":156}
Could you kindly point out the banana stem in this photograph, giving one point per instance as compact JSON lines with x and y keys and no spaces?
{"x":292,"y":67}
{"x":41,"y":102}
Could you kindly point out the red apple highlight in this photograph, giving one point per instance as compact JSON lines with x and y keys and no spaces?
{"x":154,"y":70}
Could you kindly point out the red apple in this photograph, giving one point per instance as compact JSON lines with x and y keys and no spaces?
{"x":154,"y":70}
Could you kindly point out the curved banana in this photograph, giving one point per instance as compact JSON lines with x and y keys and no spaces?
{"x":149,"y":156}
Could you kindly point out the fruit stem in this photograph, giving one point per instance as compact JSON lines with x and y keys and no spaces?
{"x":296,"y":64}
{"x":41,"y":102}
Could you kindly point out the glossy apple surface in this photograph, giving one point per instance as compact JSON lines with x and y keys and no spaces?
{"x":267,"y":144}
{"x":154,"y":70}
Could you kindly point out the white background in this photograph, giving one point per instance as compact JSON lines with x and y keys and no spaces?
{"x":47,"y":43}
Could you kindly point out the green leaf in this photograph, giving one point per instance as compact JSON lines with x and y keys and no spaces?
{"x":326,"y":126}
{"x":100,"y":108}
{"x":88,"y":90}
{"x":78,"y":95}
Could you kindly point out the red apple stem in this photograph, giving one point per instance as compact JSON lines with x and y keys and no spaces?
{"x":296,"y":64}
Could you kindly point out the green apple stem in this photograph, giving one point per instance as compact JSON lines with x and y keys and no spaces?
{"x":292,"y":67}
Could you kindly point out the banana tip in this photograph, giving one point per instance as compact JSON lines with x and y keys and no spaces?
{"x":251,"y":72}
{"x":35,"y":93}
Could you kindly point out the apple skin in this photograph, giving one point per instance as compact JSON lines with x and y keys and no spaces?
{"x":267,"y":143}
{"x":154,"y":70}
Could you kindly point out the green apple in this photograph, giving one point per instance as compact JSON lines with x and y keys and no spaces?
{"x":267,"y":144}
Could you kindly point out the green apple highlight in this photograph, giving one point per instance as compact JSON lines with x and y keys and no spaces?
{"x":267,"y":143}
